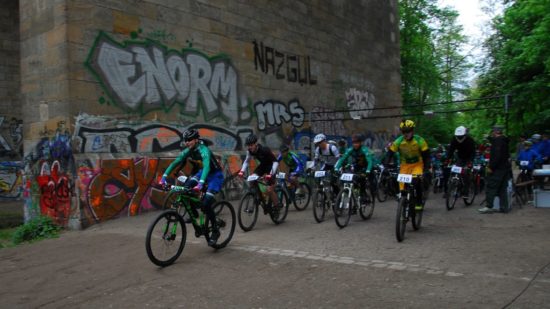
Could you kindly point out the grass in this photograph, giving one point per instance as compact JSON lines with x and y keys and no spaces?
{"x":6,"y":236}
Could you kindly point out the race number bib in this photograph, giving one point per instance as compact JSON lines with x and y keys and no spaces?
{"x":281,"y":175}
{"x":477,"y":167}
{"x":319,"y":174}
{"x":252,"y":178}
{"x":346,"y":177}
{"x":405,"y":178}
{"x":523,"y":163}
{"x":456,"y":169}
{"x":182,"y":179}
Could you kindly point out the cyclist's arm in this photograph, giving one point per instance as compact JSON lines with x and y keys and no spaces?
{"x":179,"y":160}
{"x":368,"y":157}
{"x":274,"y":167}
{"x":206,"y":155}
{"x":299,"y":166}
{"x":335,"y":151}
{"x":426,"y":159}
{"x":342,"y":159}
{"x":246,"y":160}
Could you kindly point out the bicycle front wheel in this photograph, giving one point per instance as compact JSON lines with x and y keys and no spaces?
{"x":382,"y":190}
{"x":401,"y":219}
{"x":225,"y":219}
{"x":452,"y":195}
{"x":165,"y":238}
{"x":301,"y":200}
{"x":319,"y":209}
{"x":469,"y":200}
{"x":416,"y":218}
{"x":342,"y":208}
{"x":248,"y":212}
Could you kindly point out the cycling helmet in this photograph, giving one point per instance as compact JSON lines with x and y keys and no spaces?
{"x":190,"y":135}
{"x":460,"y":131}
{"x":319,"y":138}
{"x":284,"y":148}
{"x":251,"y":139}
{"x":536,"y":137}
{"x":357,"y":138}
{"x":528,"y":143}
{"x":406,"y":125}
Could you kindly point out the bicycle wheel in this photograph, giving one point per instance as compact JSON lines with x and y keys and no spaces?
{"x":301,"y":200}
{"x":382,"y":192}
{"x":278,"y":214}
{"x":366,"y":209}
{"x":452,"y":195}
{"x":471,"y":194}
{"x":319,"y":209}
{"x":416,"y":218}
{"x":342,"y":208}
{"x":225,"y":219}
{"x":165,"y":238}
{"x":401,"y":219}
{"x":248,"y":212}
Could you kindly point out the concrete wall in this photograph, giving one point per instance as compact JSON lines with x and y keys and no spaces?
{"x":109,"y":86}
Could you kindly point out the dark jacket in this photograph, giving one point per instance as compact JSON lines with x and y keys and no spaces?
{"x":500,"y":153}
{"x":466,"y":151}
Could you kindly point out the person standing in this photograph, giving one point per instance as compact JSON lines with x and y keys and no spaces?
{"x":498,"y":172}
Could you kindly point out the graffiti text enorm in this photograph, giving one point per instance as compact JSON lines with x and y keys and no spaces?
{"x":144,"y":75}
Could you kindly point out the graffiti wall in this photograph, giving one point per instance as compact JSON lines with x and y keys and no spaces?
{"x":11,"y":138}
{"x":11,"y":181}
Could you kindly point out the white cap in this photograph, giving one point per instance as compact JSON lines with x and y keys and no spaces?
{"x":460,"y":131}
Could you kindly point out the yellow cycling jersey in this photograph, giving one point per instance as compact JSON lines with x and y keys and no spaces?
{"x":410,"y":151}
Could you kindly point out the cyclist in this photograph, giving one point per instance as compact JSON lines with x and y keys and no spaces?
{"x":325,"y":157}
{"x":465,"y":148}
{"x":294,"y":164}
{"x":268,"y":166}
{"x":361,"y":158}
{"x":415,"y":156}
{"x":529,"y":155}
{"x":210,"y":173}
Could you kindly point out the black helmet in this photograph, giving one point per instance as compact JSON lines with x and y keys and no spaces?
{"x":357,"y":138}
{"x":251,"y":139}
{"x":284,"y":148}
{"x":190,"y":135}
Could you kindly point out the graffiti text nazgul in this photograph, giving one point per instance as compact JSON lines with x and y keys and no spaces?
{"x":144,"y":76}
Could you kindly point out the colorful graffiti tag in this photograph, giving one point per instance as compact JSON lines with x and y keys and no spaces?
{"x":142,"y":76}
{"x":56,"y":189}
{"x":11,"y":147}
{"x":11,"y":183}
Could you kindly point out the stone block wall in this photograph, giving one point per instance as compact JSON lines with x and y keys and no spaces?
{"x":109,"y":86}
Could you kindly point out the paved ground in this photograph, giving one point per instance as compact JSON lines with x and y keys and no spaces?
{"x":458,"y":259}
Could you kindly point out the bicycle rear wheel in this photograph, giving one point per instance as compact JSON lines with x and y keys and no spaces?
{"x":278,"y":214}
{"x":366,"y":209}
{"x":342,"y":208}
{"x":382,"y":190}
{"x":248,"y":212}
{"x":319,"y":209}
{"x":225,"y":219}
{"x":301,"y":200}
{"x":165,"y":238}
{"x":401,"y":219}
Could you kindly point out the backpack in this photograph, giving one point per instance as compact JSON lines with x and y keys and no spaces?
{"x":331,"y":142}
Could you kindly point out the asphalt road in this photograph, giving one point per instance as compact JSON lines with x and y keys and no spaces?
{"x":459,"y":259}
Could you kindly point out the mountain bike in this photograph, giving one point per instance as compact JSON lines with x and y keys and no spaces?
{"x":167,"y":233}
{"x":438,"y":180}
{"x":256,"y":197}
{"x":387,"y":183}
{"x":299,"y":196}
{"x":352,"y":197}
{"x":324,"y":195}
{"x":406,"y":206}
{"x":456,"y":187}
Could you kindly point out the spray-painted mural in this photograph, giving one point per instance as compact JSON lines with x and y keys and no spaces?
{"x":360,"y":103}
{"x":97,"y":134}
{"x":11,"y":183}
{"x":293,"y":68}
{"x":274,"y":113}
{"x":11,"y":138}
{"x":141,"y":76}
{"x":326,"y":121}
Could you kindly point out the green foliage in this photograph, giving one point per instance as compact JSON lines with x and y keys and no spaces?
{"x":37,"y":228}
{"x":518,"y":64}
{"x":5,"y":237}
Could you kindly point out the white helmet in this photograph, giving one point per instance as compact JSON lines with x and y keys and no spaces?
{"x":460,"y":131}
{"x":536,"y":137}
{"x":319,"y":138}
